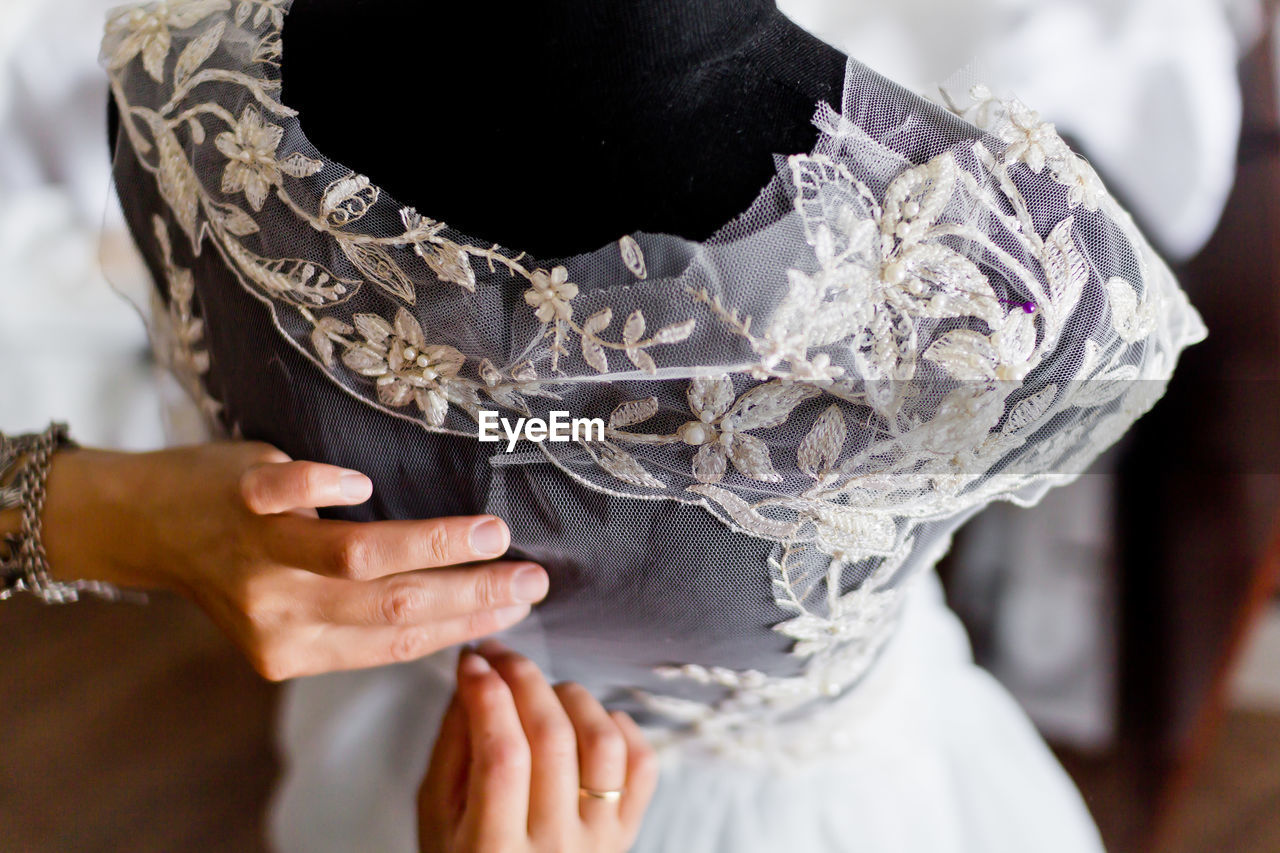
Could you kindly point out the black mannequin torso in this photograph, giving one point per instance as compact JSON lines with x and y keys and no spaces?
{"x":554,"y":127}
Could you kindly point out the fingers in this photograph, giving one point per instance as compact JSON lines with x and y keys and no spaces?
{"x":281,"y":486}
{"x":602,"y":750}
{"x":549,"y":730}
{"x":642,"y":774}
{"x":531,"y":746}
{"x":442,"y":795}
{"x":343,"y":647}
{"x":412,"y":598}
{"x":366,"y":550}
{"x":498,"y":776}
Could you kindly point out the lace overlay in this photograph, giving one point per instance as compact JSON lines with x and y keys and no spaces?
{"x":936,"y":307}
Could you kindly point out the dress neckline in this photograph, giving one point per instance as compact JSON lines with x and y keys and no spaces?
{"x":726,"y":231}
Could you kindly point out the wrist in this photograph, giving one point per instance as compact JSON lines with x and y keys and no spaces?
{"x":90,"y":525}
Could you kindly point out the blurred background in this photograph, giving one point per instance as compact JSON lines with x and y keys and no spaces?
{"x":1135,"y":613}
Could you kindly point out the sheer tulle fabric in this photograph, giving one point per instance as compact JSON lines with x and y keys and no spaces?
{"x":937,"y":307}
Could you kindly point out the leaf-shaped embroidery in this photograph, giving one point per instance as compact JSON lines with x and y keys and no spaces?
{"x":1132,"y":322}
{"x":886,"y":349}
{"x":598,"y":322}
{"x":955,"y":287}
{"x":432,"y":404}
{"x":322,"y":340}
{"x":488,"y":373}
{"x":917,"y":197}
{"x":633,"y":330}
{"x":768,"y":405}
{"x":196,"y":52}
{"x":594,"y":355}
{"x":303,"y":282}
{"x":508,"y":397}
{"x":236,"y":221}
{"x":1015,"y":341}
{"x":1030,"y":410}
{"x":347,"y":199}
{"x":1065,"y":268}
{"x":449,"y":263}
{"x":838,"y":211}
{"x":177,"y":184}
{"x":624,"y":466}
{"x":710,"y":462}
{"x":710,"y":396}
{"x":641,"y":359}
{"x":673,"y":334}
{"x":192,"y":12}
{"x":854,"y":534}
{"x":409,"y":329}
{"x":1103,"y":388}
{"x":299,"y":165}
{"x":632,"y":256}
{"x":592,"y":352}
{"x":633,"y":412}
{"x":742,"y":513}
{"x":965,"y":355}
{"x":964,"y":418}
{"x":368,"y":362}
{"x":374,"y":329}
{"x":750,"y":455}
{"x":376,"y":264}
{"x":819,"y":449}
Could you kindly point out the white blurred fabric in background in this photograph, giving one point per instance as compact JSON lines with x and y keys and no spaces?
{"x":70,"y":347}
{"x":1146,"y":88}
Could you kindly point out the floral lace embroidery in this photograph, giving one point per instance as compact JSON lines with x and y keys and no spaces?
{"x":896,"y":295}
{"x":177,"y":335}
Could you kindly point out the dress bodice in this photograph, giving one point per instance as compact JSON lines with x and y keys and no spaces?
{"x":937,"y":307}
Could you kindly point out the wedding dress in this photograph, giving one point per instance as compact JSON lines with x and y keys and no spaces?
{"x":937,"y":307}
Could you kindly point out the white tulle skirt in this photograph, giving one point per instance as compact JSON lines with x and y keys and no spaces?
{"x":945,"y":762}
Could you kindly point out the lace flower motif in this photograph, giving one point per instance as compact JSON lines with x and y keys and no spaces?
{"x":1031,"y":140}
{"x":403,"y":365}
{"x":882,"y":269}
{"x":146,"y":31}
{"x":550,"y":294}
{"x":250,"y":149}
{"x":720,"y":432}
{"x":1037,"y":143}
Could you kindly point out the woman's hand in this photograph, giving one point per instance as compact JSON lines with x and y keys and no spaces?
{"x":513,"y":758}
{"x":233,"y":525}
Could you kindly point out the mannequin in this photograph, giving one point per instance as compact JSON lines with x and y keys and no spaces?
{"x":667,"y":114}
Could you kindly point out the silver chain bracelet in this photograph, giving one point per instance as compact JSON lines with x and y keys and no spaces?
{"x":24,"y":567}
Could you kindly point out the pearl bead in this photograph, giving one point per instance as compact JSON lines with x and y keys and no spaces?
{"x":693,"y":434}
{"x":895,"y":273}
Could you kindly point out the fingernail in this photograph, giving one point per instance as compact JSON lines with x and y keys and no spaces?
{"x":529,"y":584}
{"x":489,"y":538}
{"x":354,"y":486}
{"x":473,"y":664}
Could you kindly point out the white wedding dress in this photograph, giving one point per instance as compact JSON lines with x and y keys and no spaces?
{"x":941,"y":760}
{"x":937,"y":307}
